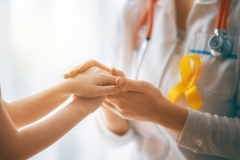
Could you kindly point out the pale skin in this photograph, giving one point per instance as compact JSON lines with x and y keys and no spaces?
{"x":137,"y":102}
{"x":113,"y":121}
{"x":90,"y":89}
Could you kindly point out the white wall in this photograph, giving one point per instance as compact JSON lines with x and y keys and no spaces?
{"x":42,"y":39}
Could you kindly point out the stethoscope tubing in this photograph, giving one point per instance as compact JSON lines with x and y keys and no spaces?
{"x":140,"y":56}
{"x":222,"y":17}
{"x":147,"y":17}
{"x":221,"y":24}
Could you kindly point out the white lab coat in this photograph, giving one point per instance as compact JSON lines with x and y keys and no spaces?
{"x":217,"y":80}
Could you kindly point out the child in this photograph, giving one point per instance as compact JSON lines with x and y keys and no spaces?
{"x":89,"y":87}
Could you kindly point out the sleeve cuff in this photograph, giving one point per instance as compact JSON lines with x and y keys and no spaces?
{"x":194,"y":130}
{"x":109,"y":137}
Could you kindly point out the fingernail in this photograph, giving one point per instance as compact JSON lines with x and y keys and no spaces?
{"x":121,"y":82}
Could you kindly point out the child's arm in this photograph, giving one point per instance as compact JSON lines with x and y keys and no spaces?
{"x":87,"y":84}
{"x":25,"y":143}
{"x":31,"y":140}
{"x":30,"y":109}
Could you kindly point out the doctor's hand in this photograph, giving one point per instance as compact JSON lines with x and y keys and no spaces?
{"x":85,"y":66}
{"x":139,"y":100}
{"x":94,"y":82}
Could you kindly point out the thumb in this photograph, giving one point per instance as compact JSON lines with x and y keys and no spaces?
{"x":116,"y":72}
{"x":128,"y":84}
{"x":66,"y":76}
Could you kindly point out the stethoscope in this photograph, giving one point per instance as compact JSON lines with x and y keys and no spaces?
{"x":219,"y":44}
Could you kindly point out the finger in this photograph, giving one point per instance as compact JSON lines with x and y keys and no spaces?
{"x":91,"y":63}
{"x":130,"y":85}
{"x":108,"y":105}
{"x":106,"y":90}
{"x":108,"y":80}
{"x":105,"y":72}
{"x":103,"y":106}
{"x":66,"y":76}
{"x":115,"y":97}
{"x":111,"y":107}
{"x":73,"y":73}
{"x":116,"y":72}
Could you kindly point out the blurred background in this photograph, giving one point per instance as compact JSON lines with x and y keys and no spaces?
{"x":40,"y":40}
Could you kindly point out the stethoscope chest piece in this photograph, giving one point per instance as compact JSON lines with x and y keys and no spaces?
{"x":220,"y":46}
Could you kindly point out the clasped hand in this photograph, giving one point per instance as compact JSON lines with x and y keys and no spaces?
{"x":91,"y":86}
{"x":138,"y":100}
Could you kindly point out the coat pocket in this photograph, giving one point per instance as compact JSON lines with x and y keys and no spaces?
{"x":217,"y":76}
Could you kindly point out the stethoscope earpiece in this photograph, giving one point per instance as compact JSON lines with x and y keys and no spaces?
{"x":220,"y":46}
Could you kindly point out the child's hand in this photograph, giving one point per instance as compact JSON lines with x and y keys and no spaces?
{"x":94,"y":82}
{"x":85,"y":66}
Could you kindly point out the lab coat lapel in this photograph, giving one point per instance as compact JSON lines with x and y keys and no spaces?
{"x":163,"y":42}
{"x":169,"y":7}
{"x":203,"y":12}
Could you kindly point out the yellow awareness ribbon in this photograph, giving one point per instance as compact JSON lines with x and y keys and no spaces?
{"x":187,"y":86}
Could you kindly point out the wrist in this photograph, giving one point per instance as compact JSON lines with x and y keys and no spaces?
{"x":81,"y":106}
{"x":172,"y":116}
{"x":114,"y":122}
{"x":67,"y":87}
{"x":88,"y":105}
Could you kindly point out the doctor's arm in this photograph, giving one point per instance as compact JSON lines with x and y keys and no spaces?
{"x":198,"y":131}
{"x":25,"y":143}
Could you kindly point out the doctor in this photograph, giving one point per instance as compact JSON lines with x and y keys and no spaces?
{"x":167,"y":124}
